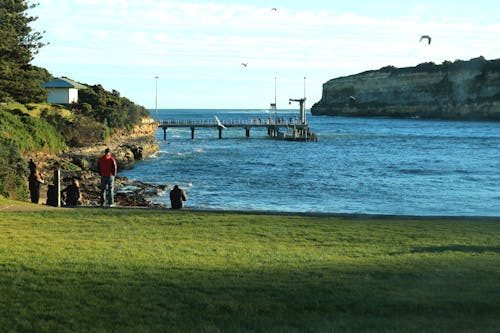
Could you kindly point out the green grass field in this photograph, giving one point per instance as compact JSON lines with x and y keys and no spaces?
{"x":138,"y":270}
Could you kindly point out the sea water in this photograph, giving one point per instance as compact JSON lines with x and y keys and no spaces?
{"x":359,"y":165}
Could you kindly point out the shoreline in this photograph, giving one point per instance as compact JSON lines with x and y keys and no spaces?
{"x":13,"y":205}
{"x":81,"y":163}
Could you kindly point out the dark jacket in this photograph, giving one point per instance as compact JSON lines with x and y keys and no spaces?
{"x":177,"y":198}
{"x":72,"y":194}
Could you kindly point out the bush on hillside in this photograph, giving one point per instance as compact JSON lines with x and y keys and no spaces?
{"x":13,"y":171}
{"x":84,"y":131}
{"x":110,"y":108}
{"x":30,"y":133}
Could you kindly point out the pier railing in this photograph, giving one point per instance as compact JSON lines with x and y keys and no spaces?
{"x":229,"y":122}
{"x":273,"y":126}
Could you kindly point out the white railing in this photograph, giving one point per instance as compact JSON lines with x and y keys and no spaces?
{"x":234,"y":122}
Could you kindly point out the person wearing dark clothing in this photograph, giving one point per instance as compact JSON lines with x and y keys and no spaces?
{"x":72,"y":192}
{"x":52,"y":196}
{"x":35,"y":179}
{"x":107,"y":170}
{"x":177,"y":197}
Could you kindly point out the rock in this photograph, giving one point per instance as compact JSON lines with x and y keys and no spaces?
{"x":81,"y":161}
{"x":459,"y":90}
{"x":126,"y":147}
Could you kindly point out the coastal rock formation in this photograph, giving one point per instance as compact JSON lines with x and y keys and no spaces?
{"x":81,"y":163}
{"x":458,"y":90}
{"x":126,"y":147}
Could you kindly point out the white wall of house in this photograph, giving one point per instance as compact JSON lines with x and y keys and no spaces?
{"x":73,"y":95}
{"x":63,"y":95}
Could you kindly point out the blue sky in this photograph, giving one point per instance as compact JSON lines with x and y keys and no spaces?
{"x":196,"y":47}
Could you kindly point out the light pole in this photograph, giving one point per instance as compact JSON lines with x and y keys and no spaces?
{"x":156,"y":96}
{"x":275,"y":105}
{"x":304,"y":87}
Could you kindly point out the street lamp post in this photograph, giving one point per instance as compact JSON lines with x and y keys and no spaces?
{"x":156,"y":96}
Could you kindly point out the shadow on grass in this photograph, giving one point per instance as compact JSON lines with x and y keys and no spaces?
{"x":456,"y":248}
{"x":326,"y":299}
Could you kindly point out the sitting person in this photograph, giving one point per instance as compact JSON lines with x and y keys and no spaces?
{"x":72,"y":192}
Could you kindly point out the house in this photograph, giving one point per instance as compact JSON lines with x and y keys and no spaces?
{"x":63,"y":90}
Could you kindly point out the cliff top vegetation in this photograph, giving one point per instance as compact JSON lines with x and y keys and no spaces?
{"x":479,"y":63}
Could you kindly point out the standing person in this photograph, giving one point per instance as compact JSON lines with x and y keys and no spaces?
{"x":34,"y":179}
{"x":72,"y":193}
{"x":177,"y":197}
{"x":107,"y":170}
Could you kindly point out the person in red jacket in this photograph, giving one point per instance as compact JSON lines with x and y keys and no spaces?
{"x":107,"y":170}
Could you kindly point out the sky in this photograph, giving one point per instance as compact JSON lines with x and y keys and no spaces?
{"x":189,"y":54}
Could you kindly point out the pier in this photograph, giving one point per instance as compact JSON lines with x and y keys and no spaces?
{"x":276,"y":129}
{"x":281,"y":128}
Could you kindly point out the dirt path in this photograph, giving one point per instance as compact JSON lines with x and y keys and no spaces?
{"x":21,"y":206}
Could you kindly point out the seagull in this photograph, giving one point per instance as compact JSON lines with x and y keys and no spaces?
{"x":275,"y":9}
{"x":219,"y":123}
{"x":426,"y":37}
{"x":352,"y":98}
{"x":244,"y":64}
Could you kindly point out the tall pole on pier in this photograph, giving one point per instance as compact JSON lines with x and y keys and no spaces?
{"x":304,"y":87}
{"x":303,"y":106}
{"x":156,"y":96}
{"x":275,"y":105}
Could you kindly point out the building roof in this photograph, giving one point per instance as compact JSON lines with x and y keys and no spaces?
{"x":63,"y":82}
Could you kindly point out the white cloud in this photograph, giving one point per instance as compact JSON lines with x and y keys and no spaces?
{"x":207,"y":40}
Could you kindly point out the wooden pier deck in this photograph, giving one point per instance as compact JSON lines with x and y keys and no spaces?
{"x":296,"y":131}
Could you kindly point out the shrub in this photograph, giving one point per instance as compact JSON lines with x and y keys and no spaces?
{"x":13,"y":171}
{"x":29,"y":133}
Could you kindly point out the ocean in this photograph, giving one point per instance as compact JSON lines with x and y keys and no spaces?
{"x":358,"y":166}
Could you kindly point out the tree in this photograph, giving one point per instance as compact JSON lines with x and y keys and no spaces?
{"x":19,"y":80}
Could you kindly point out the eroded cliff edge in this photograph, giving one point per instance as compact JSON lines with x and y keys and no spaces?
{"x":459,"y":90}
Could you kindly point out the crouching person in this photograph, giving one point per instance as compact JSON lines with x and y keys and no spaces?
{"x":72,"y":193}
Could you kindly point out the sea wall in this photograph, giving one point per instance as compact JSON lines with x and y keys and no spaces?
{"x":458,"y":90}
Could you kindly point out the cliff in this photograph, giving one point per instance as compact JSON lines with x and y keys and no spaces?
{"x":458,"y":90}
{"x":126,"y":146}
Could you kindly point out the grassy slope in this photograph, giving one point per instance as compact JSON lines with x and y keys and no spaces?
{"x":153,"y":270}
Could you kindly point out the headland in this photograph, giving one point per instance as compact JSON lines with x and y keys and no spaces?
{"x":460,"y":90}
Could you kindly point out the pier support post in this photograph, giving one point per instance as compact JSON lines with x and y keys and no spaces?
{"x":220,"y":132}
{"x":247,"y":132}
{"x":164,"y":134}
{"x":192,"y":133}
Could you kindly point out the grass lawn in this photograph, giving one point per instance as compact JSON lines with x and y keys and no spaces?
{"x":137,"y":270}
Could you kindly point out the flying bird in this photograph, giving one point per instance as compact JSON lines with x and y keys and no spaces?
{"x":426,"y":37}
{"x":244,"y":64}
{"x":219,"y":123}
{"x":275,"y":9}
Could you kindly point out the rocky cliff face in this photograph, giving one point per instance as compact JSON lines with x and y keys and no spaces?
{"x":459,"y":90}
{"x":126,"y":147}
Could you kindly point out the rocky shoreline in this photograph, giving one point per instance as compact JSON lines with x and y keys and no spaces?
{"x":81,"y":163}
